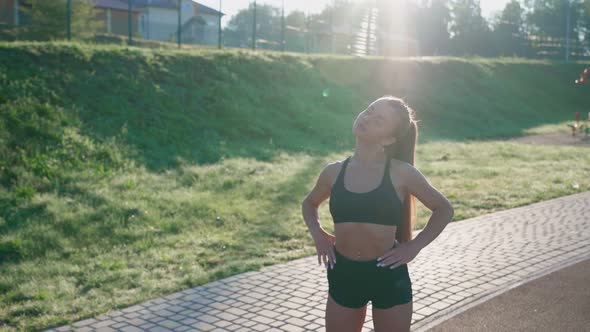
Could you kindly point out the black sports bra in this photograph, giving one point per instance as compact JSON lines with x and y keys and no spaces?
{"x":378,"y":206}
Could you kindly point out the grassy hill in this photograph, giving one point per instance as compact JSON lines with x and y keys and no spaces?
{"x":129,"y":173}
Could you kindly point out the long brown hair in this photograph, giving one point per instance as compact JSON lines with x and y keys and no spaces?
{"x":404,"y":148}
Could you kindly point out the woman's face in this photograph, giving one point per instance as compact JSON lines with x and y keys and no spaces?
{"x":376,"y":124}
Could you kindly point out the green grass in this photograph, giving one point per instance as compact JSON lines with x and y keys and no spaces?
{"x":128,"y":173}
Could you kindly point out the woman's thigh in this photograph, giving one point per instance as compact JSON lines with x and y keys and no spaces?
{"x":344,"y":319}
{"x":392,"y":300}
{"x":397,"y":318}
{"x":348,"y":296}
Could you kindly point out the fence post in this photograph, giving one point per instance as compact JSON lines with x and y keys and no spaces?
{"x":69,"y":19}
{"x":307,"y":34}
{"x":332,"y":27}
{"x":129,"y":23}
{"x":567,"y":31}
{"x":219,"y":42}
{"x":179,"y":26}
{"x":254,"y":28}
{"x":16,"y":14}
{"x":283,"y":27}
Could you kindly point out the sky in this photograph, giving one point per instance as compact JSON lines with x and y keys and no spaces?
{"x":231,"y":7}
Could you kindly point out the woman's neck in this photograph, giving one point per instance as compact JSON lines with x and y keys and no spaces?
{"x":368,"y":155}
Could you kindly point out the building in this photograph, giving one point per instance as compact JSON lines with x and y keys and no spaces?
{"x":159,"y":21}
{"x":151,"y":19}
{"x":115,"y":15}
{"x":11,"y":12}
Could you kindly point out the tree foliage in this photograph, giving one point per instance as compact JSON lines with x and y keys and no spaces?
{"x":48,"y":19}
{"x":433,"y":27}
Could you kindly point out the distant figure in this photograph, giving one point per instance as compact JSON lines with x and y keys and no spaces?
{"x":372,"y":205}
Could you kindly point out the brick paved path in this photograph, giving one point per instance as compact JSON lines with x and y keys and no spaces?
{"x":471,"y":259}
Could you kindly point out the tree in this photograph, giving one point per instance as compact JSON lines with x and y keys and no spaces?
{"x":48,"y":19}
{"x":336,"y":24}
{"x":295,"y":31}
{"x":432,"y":27}
{"x":548,"y":17}
{"x":299,"y":28}
{"x":268,"y":27}
{"x":509,"y":32}
{"x":470,"y":31}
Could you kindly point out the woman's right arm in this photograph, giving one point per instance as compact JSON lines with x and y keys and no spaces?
{"x":319,"y":193}
{"x":309,"y":209}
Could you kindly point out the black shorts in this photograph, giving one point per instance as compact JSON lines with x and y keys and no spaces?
{"x":353,"y":283}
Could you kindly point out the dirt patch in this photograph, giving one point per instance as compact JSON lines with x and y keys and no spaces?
{"x":554,"y":139}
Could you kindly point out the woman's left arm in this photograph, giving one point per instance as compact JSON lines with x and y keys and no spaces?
{"x":442,"y":209}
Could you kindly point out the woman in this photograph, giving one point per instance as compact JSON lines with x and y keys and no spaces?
{"x":372,"y":204}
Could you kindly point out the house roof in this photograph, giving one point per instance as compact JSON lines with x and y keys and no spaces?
{"x":113,"y":4}
{"x":174,"y":4}
{"x":194,"y":19}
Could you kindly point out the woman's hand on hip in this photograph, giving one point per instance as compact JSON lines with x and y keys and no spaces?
{"x":324,"y":244}
{"x":403,"y":253}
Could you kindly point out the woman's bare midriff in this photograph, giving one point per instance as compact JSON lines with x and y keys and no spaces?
{"x":362,"y":241}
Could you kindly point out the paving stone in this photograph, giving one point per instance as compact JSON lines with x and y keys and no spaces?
{"x":297,"y":321}
{"x":248,"y":323}
{"x":292,"y":328}
{"x":202,"y":326}
{"x":222,"y":323}
{"x":243,"y":329}
{"x":439,"y":305}
{"x":85,"y":329}
{"x":233,"y":311}
{"x":259,"y":327}
{"x":84,"y":322}
{"x":207,"y":318}
{"x":296,"y":313}
{"x":240,"y":320}
{"x":262,"y":319}
{"x":104,"y":329}
{"x":119,"y":325}
{"x":313,"y":327}
{"x":102,"y":323}
{"x":426,"y":311}
{"x":277,"y":323}
{"x":147,"y":326}
{"x":188,"y":321}
{"x":169,"y":324}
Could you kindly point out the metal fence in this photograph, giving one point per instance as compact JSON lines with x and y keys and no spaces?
{"x":341,"y":28}
{"x":266,"y":24}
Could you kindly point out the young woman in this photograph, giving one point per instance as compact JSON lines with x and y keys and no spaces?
{"x":372,"y":204}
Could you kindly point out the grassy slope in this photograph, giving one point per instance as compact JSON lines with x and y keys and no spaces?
{"x":130,"y":173}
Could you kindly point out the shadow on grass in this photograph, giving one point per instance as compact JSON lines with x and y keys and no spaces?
{"x":167,"y":106}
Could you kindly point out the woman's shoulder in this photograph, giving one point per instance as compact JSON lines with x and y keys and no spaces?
{"x":334,"y":166}
{"x":332,"y":169}
{"x":405,"y":172}
{"x":399,"y":164}
{"x":400,"y":169}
